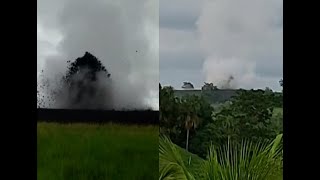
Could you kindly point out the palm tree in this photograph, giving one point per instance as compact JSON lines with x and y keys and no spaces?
{"x":247,"y":160}
{"x":189,"y":106}
{"x":191,"y":122}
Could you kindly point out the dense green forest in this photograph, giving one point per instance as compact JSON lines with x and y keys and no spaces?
{"x":197,"y":121}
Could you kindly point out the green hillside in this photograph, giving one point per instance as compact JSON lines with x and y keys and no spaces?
{"x":213,"y":96}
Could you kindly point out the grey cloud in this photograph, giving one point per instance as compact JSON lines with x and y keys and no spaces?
{"x":269,"y":68}
{"x":177,"y":67}
{"x":242,"y":38}
{"x":178,"y":21}
{"x":179,"y":14}
{"x":186,"y":61}
{"x":178,"y":41}
{"x":176,"y":77}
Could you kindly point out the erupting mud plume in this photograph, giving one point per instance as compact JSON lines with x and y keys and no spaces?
{"x":86,"y":85}
{"x":123,"y":35}
{"x":227,"y":83}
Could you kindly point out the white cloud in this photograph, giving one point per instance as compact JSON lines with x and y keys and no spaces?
{"x":47,"y":43}
{"x":235,"y":36}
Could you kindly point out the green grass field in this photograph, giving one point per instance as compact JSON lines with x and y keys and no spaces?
{"x":88,"y":151}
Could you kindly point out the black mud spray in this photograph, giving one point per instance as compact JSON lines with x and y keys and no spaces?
{"x":87,"y":84}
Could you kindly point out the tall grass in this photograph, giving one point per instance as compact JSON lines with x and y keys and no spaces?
{"x":244,"y":161}
{"x":91,"y":151}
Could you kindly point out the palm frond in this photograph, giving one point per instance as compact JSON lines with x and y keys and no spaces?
{"x":249,"y":161}
{"x":171,"y":165}
{"x":233,"y":161}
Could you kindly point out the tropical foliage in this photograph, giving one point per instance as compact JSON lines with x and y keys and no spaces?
{"x":192,"y":120}
{"x":245,"y":161}
{"x":230,"y":139}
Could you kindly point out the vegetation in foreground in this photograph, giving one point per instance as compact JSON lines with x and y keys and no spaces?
{"x":89,"y":151}
{"x":228,"y":141}
{"x":248,"y":160}
{"x":193,"y":123}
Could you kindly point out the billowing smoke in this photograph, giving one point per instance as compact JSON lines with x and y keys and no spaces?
{"x":122,"y":34}
{"x":86,"y":85}
{"x":241,"y":39}
{"x":227,"y":83}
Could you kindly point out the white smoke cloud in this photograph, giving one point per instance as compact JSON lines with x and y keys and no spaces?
{"x":122,"y":34}
{"x":236,"y":36}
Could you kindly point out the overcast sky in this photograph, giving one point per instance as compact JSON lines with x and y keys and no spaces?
{"x":200,"y":40}
{"x":123,"y":34}
{"x":211,"y":40}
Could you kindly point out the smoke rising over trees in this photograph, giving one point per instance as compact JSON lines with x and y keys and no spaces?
{"x":86,"y":85}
